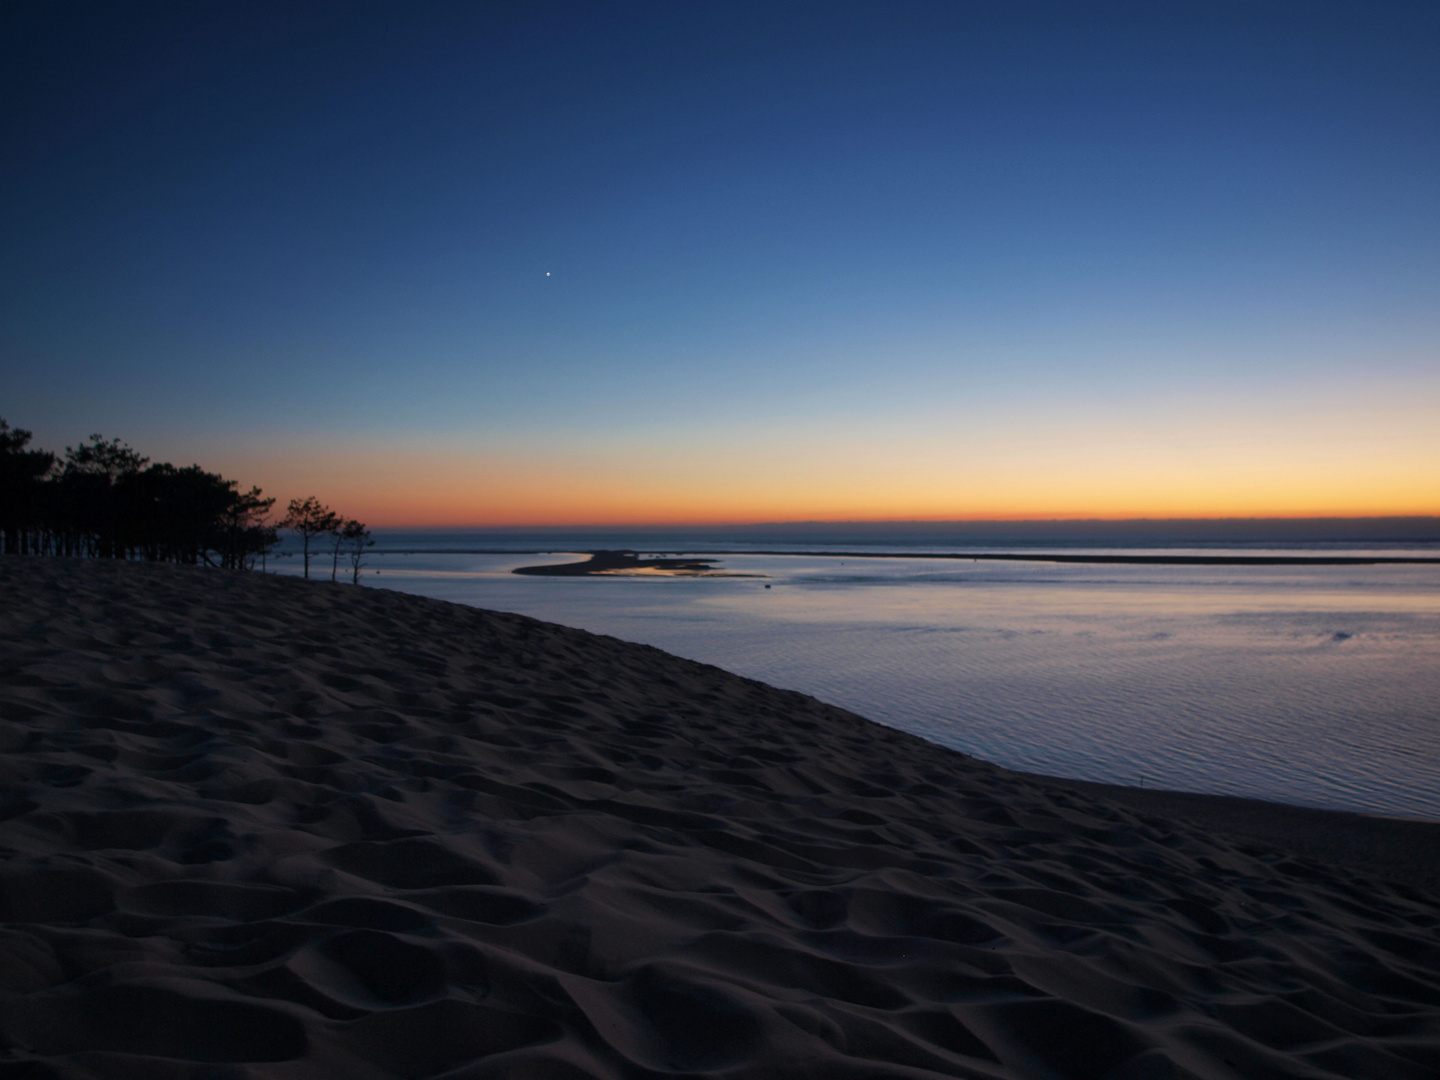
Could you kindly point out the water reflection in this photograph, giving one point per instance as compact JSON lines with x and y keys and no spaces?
{"x":1312,"y":685}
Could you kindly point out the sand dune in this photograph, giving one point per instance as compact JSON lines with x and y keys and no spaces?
{"x":256,"y":827}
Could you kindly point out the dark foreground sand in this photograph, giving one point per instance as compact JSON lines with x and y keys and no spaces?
{"x":256,"y":827}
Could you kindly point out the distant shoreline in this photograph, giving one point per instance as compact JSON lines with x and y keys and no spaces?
{"x":979,"y":556}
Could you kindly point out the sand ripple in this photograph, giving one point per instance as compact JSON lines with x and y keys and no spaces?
{"x":257,"y":827}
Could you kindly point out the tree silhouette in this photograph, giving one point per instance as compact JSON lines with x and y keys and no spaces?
{"x":246,"y":532}
{"x":90,"y":504}
{"x":22,"y":492}
{"x":337,"y":539}
{"x":101,"y":457}
{"x":357,"y":539}
{"x":170,"y":514}
{"x":309,"y":517}
{"x":105,"y":500}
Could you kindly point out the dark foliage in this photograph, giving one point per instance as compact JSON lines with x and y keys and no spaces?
{"x":106,"y":501}
{"x":309,"y":518}
{"x":22,"y":491}
{"x":356,"y":538}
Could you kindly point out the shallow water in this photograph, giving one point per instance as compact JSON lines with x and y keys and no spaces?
{"x":1315,"y":685}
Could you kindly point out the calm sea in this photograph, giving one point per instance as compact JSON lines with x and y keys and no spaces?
{"x":1313,"y":685}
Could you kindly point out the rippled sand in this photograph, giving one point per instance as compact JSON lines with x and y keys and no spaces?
{"x":259,"y":827}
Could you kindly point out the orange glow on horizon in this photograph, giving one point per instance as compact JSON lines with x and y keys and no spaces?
{"x":1336,"y":450}
{"x":432,"y":490}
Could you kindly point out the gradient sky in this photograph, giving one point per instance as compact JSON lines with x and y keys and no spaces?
{"x":678,"y":262}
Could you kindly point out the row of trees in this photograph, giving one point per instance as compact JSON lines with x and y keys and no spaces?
{"x":103,"y":500}
{"x":311,"y":520}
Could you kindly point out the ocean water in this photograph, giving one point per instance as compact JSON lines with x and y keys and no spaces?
{"x":1312,"y":685}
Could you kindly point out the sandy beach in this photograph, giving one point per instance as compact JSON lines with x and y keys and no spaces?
{"x":263,"y":827}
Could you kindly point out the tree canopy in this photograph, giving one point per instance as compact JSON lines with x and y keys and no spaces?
{"x":309,"y":518}
{"x":105,"y":500}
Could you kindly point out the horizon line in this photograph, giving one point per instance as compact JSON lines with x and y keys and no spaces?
{"x":1291,"y":519}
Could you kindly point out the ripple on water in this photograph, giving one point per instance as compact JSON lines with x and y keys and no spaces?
{"x":1311,"y":685}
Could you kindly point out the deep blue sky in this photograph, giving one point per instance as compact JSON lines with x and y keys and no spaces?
{"x":1152,"y":248}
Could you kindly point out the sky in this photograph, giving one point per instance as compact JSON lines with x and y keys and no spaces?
{"x":687,"y":262}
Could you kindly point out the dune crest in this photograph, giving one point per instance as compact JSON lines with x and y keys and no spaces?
{"x":259,"y":827}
